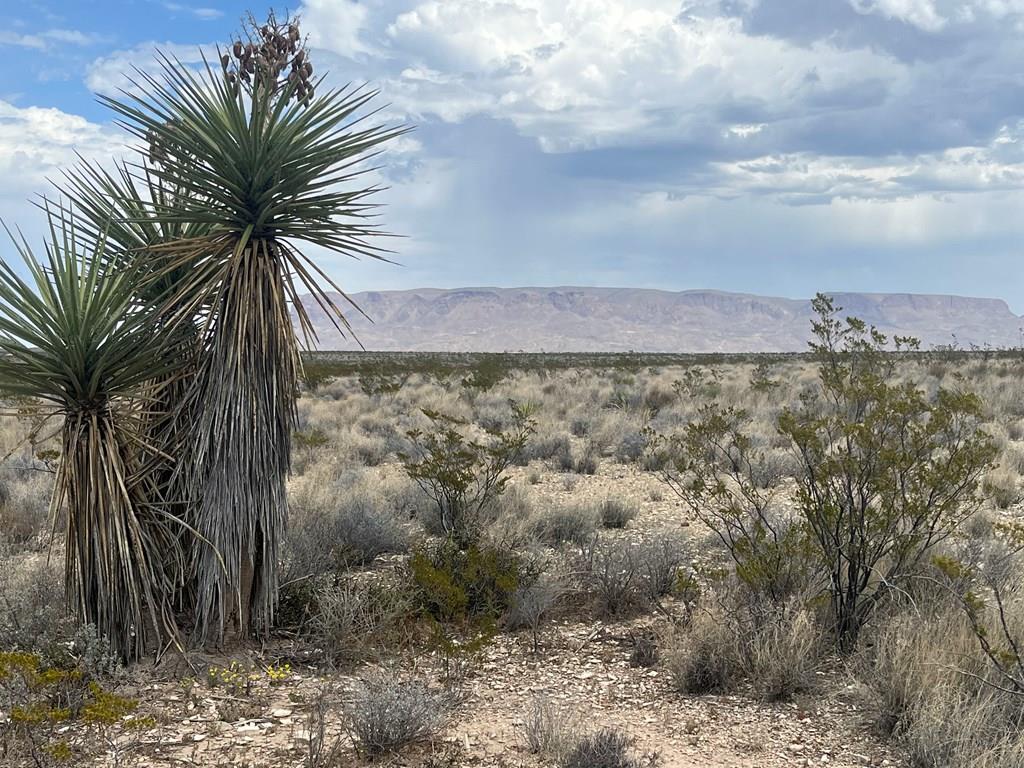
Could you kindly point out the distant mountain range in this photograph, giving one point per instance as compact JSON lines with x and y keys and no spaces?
{"x":571,"y":319}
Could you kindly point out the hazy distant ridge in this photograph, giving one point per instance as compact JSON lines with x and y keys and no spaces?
{"x":570,"y":319}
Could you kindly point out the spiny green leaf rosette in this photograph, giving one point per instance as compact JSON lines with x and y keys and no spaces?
{"x":262,"y":167}
{"x":75,"y":344}
{"x":118,"y":205}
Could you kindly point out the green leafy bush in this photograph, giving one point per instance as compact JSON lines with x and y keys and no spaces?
{"x":463,"y":475}
{"x":455,"y":585}
{"x":732,"y":487}
{"x":887,"y":472}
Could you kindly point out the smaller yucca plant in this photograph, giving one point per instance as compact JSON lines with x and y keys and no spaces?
{"x":76,"y":345}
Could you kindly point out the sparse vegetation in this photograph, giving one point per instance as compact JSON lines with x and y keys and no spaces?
{"x":714,"y":579}
{"x":388,"y":713}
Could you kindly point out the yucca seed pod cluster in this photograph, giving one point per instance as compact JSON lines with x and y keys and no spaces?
{"x":261,"y":61}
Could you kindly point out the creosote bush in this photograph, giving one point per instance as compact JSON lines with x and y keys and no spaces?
{"x":462,"y":474}
{"x":885,"y":474}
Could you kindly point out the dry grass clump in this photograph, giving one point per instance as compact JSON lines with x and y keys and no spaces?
{"x":555,"y":733}
{"x":783,"y":654}
{"x":703,"y":657}
{"x":935,"y":694}
{"x":387,"y":713}
{"x":607,"y":748}
{"x":550,"y":730}
{"x":616,"y":513}
{"x":775,"y":650}
{"x":339,"y":524}
{"x":25,"y":503}
{"x":349,"y":620}
{"x":33,"y":617}
{"x":1002,"y":486}
{"x":553,"y":526}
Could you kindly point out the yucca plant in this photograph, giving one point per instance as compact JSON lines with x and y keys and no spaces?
{"x":119,"y":205}
{"x":267,"y":161}
{"x":78,"y":350}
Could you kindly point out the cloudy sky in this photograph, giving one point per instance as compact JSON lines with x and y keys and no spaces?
{"x":769,"y":146}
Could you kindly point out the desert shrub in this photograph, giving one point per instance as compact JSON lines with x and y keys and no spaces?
{"x":607,"y":748}
{"x":615,"y":513}
{"x":580,"y":427}
{"x":557,"y":525}
{"x":24,"y":506}
{"x":386,"y":714}
{"x":703,"y":657}
{"x":697,"y":383}
{"x":381,"y":381}
{"x":550,"y":730}
{"x":586,"y":463}
{"x":564,"y":460}
{"x":662,"y":559}
{"x":453,"y":585}
{"x":714,"y":467}
{"x":340,"y":525}
{"x":761,"y":380}
{"x":463,"y":475}
{"x":631,"y":447}
{"x":888,"y":473}
{"x":322,"y":750}
{"x":57,"y":715}
{"x":1001,"y":486}
{"x":545,"y":447}
{"x":531,"y":603}
{"x":33,"y":616}
{"x":308,"y":441}
{"x":611,"y":571}
{"x":658,"y":397}
{"x":489,"y":371}
{"x":353,"y":618}
{"x":407,"y":500}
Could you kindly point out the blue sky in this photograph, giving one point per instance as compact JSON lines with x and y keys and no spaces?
{"x":766,"y":146}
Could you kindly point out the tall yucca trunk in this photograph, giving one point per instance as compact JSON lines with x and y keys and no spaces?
{"x":248,"y":388}
{"x":260,"y":160}
{"x":116,"y":577}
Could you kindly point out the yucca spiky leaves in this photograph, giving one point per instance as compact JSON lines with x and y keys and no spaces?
{"x":75,"y":343}
{"x":265,"y":173}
